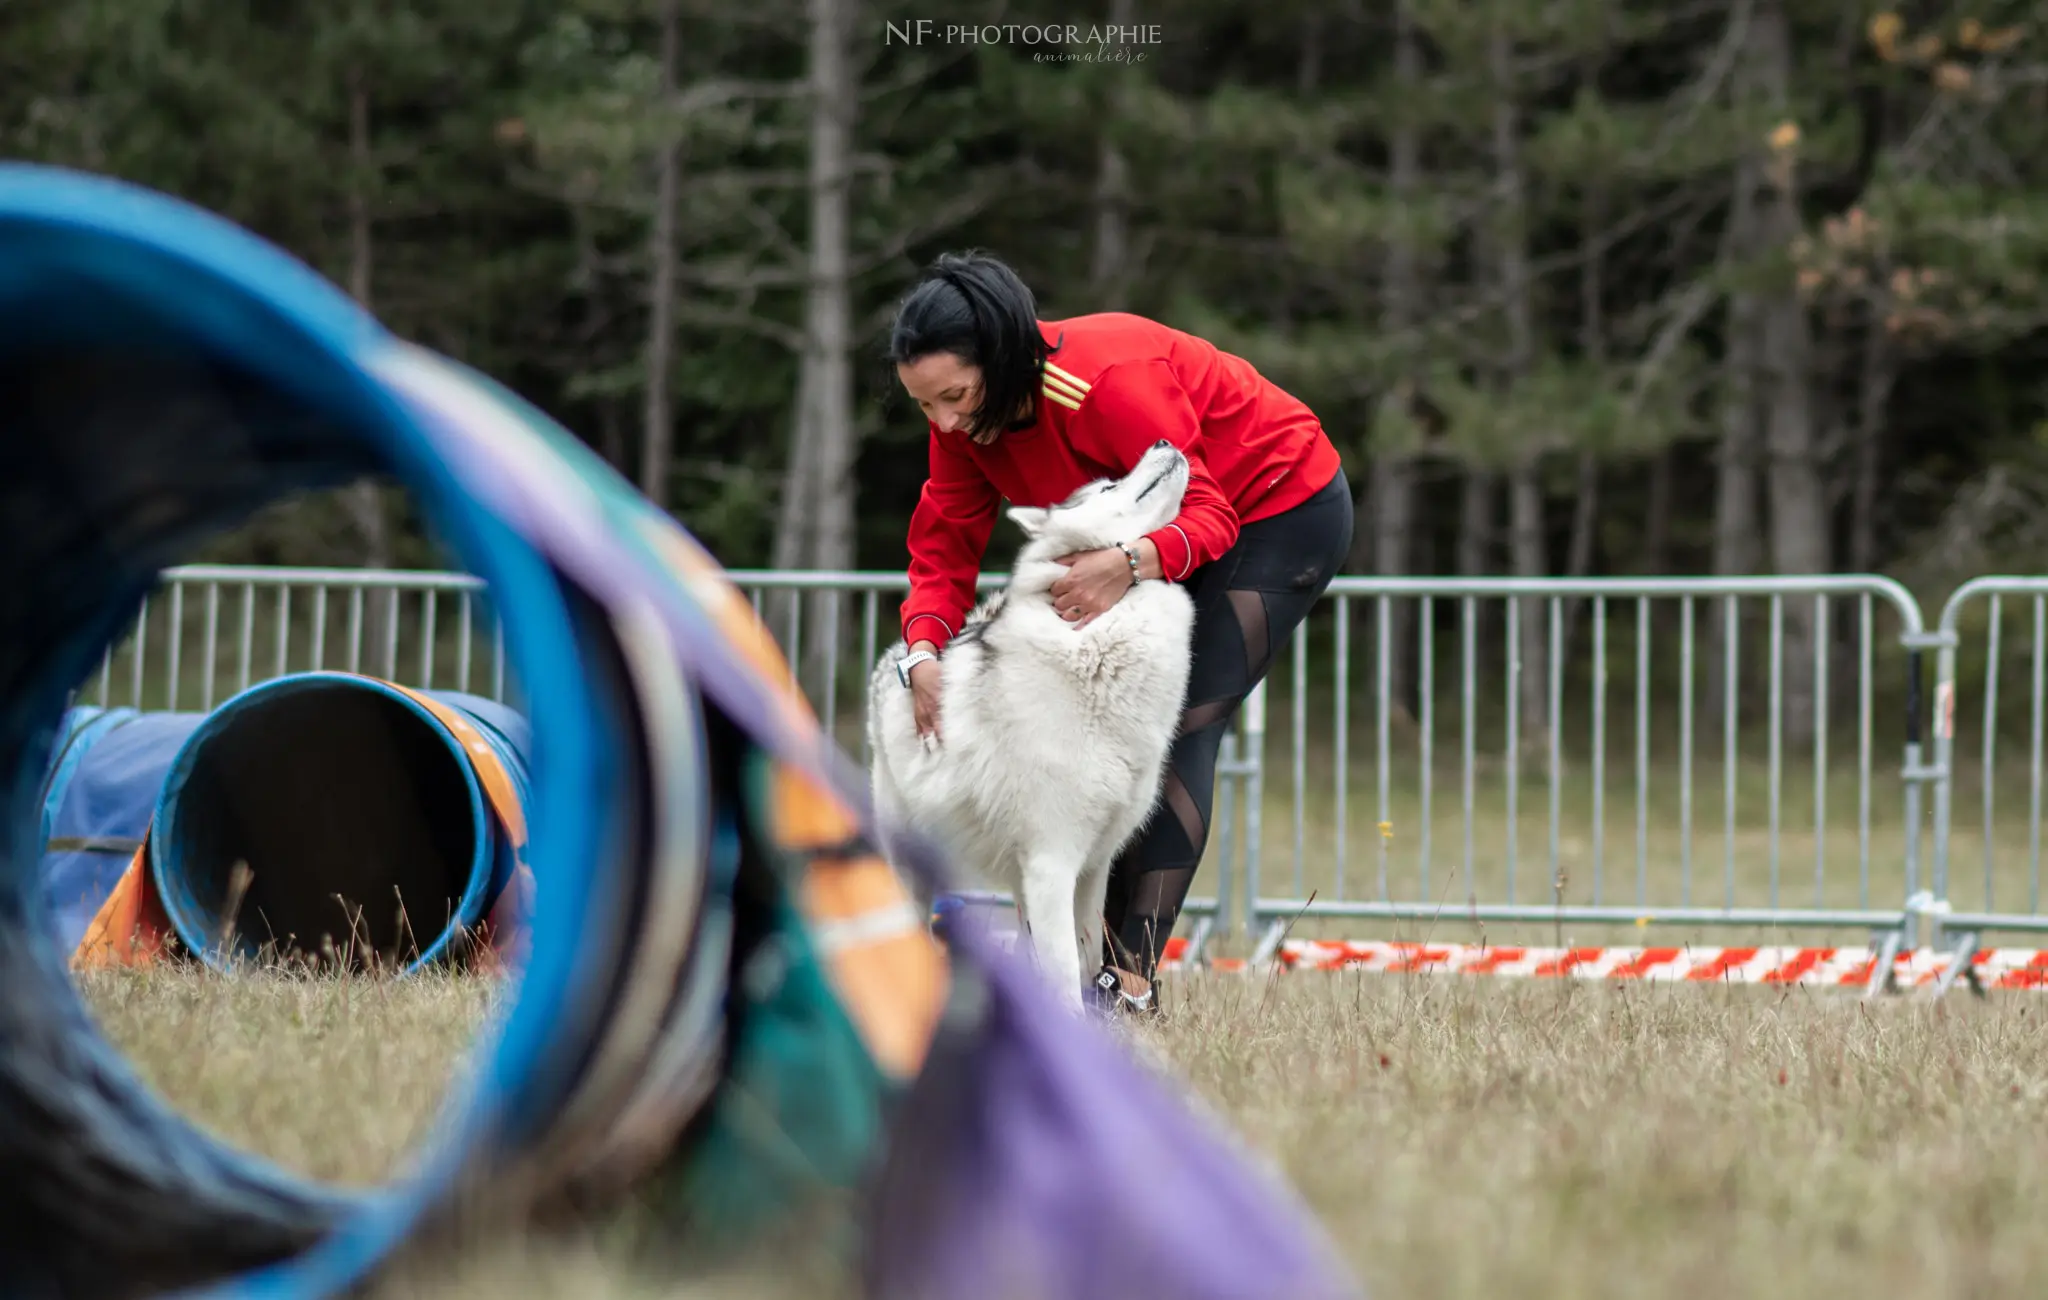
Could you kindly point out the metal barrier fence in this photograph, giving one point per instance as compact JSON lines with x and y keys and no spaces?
{"x":389,"y":623}
{"x":1968,"y":903}
{"x":1754,"y":721}
{"x":1542,"y":703}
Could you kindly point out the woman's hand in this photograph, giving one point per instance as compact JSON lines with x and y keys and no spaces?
{"x":924,"y":694}
{"x":1095,"y":580}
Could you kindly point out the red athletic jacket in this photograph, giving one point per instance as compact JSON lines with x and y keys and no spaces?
{"x":1116,"y":384}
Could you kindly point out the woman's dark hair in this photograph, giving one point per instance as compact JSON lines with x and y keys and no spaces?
{"x":975,"y":307}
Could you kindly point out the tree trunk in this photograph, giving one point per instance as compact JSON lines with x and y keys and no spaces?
{"x":1737,"y":516}
{"x":1391,"y":508}
{"x":829,"y":441}
{"x":364,"y":499}
{"x":1476,"y":526}
{"x":1657,"y":523}
{"x":1525,"y":489}
{"x":657,"y":434}
{"x":1873,"y":391}
{"x":1526,"y":542}
{"x":1799,"y":524}
{"x":1391,"y":491}
{"x":1578,"y":561}
{"x":1110,"y":274}
{"x":1308,"y":70}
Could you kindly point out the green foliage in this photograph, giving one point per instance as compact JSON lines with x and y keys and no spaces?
{"x":507,"y":181}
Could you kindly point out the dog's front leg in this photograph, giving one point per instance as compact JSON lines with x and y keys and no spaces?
{"x":1048,"y":898}
{"x":1090,"y":896}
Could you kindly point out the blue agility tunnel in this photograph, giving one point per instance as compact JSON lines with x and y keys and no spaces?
{"x":727,"y":995}
{"x":106,"y":771}
{"x":325,"y":816}
{"x":358,"y":816}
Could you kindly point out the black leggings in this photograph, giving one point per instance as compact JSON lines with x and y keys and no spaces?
{"x":1248,"y":601}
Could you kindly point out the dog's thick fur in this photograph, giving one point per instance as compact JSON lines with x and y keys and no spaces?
{"x":1053,"y":740}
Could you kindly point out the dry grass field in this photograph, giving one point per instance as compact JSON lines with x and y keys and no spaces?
{"x":1460,"y":1137}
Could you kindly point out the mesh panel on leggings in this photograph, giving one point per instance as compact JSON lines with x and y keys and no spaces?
{"x":1158,"y":869}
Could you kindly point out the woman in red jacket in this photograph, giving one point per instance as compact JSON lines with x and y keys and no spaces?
{"x":1030,"y":410}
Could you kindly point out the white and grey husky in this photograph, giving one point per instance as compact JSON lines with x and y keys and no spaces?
{"x":1053,"y":740}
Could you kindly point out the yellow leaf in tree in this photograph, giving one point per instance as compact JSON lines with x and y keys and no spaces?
{"x":1999,"y":41}
{"x":1952,"y":77}
{"x":1784,"y":136}
{"x":1884,"y":33}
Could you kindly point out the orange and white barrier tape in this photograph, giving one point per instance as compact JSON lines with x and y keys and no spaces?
{"x":2000,"y":968}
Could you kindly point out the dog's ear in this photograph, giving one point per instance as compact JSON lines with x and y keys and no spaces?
{"x":1030,"y":518}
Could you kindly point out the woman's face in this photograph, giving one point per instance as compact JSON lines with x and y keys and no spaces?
{"x":947,"y":389}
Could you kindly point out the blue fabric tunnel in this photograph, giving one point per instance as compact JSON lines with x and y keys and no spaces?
{"x":358,"y":815}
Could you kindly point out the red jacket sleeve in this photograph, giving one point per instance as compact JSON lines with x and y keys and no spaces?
{"x":949,"y":531}
{"x":1134,"y":404}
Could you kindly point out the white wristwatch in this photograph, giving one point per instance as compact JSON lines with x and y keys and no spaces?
{"x":909,"y":662}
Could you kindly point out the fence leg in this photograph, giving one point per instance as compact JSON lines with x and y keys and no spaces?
{"x":1254,"y":766}
{"x":1269,"y":943}
{"x":1960,"y":953}
{"x":1883,"y":977}
{"x":1227,"y":787}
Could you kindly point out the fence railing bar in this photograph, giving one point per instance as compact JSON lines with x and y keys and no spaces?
{"x":135,"y":669}
{"x":1468,"y":687}
{"x":1341,"y":738}
{"x":1427,"y":703}
{"x":1300,"y":748}
{"x":1384,"y":633}
{"x":1988,"y":775}
{"x":1642,"y":749}
{"x":246,"y":637}
{"x":284,"y":631}
{"x":428,"y":641}
{"x":391,"y":613}
{"x":1685,"y":698}
{"x":2034,"y":756}
{"x":1554,"y":666}
{"x":1512,"y":758}
{"x":1823,"y":645}
{"x":1731,"y":636}
{"x":175,"y":638}
{"x":319,"y":627}
{"x":1599,"y":746}
{"x":870,"y":651}
{"x":832,"y":620}
{"x":1776,"y":724}
{"x":356,"y":598}
{"x":464,"y":632}
{"x":1865,"y":677}
{"x":210,"y":656}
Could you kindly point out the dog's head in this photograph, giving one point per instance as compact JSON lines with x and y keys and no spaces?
{"x":1110,"y":510}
